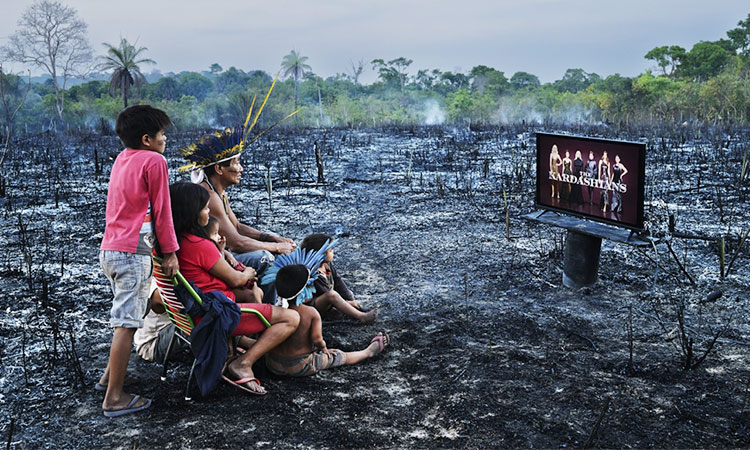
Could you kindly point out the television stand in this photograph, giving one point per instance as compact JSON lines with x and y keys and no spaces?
{"x":583,"y":245}
{"x":546,"y":211}
{"x":640,"y":236}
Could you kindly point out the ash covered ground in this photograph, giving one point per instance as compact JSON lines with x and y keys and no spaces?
{"x":489,"y":349}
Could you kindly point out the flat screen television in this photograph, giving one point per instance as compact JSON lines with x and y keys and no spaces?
{"x":597,"y":179}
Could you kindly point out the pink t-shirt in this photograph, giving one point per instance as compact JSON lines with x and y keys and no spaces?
{"x":138,"y":204}
{"x":196,"y":256}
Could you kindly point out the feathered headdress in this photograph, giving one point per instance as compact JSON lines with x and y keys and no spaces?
{"x":311,"y":259}
{"x":223,"y":145}
{"x":213,"y":148}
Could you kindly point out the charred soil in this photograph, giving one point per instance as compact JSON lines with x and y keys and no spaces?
{"x":489,"y":349}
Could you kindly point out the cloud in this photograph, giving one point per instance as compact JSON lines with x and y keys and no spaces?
{"x":543,"y":37}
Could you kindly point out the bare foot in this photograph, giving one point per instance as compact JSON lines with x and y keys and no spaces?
{"x":370,"y":316}
{"x":243,"y":378}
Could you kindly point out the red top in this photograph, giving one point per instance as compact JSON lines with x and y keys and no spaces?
{"x":196,"y":256}
{"x":138,"y":182}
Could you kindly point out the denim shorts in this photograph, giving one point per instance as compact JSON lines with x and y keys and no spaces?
{"x":260,"y":260}
{"x":129,"y":275}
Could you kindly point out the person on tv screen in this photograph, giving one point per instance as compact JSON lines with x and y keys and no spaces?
{"x":554,"y":167}
{"x":567,"y":170}
{"x":605,"y":174}
{"x":576,"y":195}
{"x":591,"y":174}
{"x":618,"y":172}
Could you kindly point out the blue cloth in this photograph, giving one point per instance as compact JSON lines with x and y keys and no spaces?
{"x":260,"y":260}
{"x":208,"y":340}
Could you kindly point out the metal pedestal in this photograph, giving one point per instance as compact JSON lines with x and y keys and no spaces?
{"x":581,"y":264}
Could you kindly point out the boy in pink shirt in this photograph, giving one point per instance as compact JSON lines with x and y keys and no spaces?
{"x":138,"y":219}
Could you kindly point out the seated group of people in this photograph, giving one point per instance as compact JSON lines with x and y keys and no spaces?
{"x":293,"y":344}
{"x":194,"y":229}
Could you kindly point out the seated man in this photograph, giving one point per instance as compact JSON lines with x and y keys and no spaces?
{"x":240,"y":238}
{"x":250,"y":246}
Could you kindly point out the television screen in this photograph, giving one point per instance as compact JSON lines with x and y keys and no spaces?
{"x":597,"y":179}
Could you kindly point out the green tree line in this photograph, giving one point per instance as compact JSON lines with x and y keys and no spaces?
{"x":709,"y":83}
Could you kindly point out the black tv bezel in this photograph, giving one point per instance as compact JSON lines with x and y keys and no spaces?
{"x":639,"y":226}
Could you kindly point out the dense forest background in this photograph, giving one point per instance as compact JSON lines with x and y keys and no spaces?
{"x":708,"y":84}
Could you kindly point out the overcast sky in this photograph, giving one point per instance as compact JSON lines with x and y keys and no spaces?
{"x":543,"y":37}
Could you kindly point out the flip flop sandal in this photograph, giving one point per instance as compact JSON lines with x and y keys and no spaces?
{"x":240,"y":384}
{"x":129,"y":409}
{"x":383,"y":341}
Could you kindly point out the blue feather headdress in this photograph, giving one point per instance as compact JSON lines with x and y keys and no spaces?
{"x":311,"y":259}
{"x":229,"y":143}
{"x":214,"y":148}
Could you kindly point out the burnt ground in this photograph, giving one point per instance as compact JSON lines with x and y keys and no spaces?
{"x":489,"y":349}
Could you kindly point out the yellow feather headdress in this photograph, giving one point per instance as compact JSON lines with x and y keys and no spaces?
{"x":228,"y":143}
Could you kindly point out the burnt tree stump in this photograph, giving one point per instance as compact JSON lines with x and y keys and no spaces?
{"x":319,"y":163}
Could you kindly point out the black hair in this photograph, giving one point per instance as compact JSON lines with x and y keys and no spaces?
{"x":315,"y":241}
{"x":188,"y":199}
{"x":291,"y":279}
{"x":135,"y":121}
{"x":212,"y":222}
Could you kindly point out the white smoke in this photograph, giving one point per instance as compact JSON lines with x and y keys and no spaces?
{"x":514,"y":110}
{"x":433,"y":113}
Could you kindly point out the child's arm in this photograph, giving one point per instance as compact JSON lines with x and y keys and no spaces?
{"x":230,"y":258}
{"x":161,"y":213}
{"x":233,"y":278}
{"x":316,"y":331}
{"x":340,"y":286}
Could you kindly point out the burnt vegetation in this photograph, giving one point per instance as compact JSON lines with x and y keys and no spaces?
{"x":489,"y":349}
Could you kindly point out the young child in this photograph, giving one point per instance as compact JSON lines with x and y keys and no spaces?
{"x":251,"y":292}
{"x":138,"y":215}
{"x":305,"y":352}
{"x":331,"y":293}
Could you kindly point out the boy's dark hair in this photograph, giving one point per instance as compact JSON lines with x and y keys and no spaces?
{"x":291,"y":279}
{"x":135,"y":121}
{"x":315,"y":241}
{"x":188,"y":199}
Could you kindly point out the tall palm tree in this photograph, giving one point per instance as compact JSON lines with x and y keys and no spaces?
{"x":294,"y":66}
{"x":124,"y":63}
